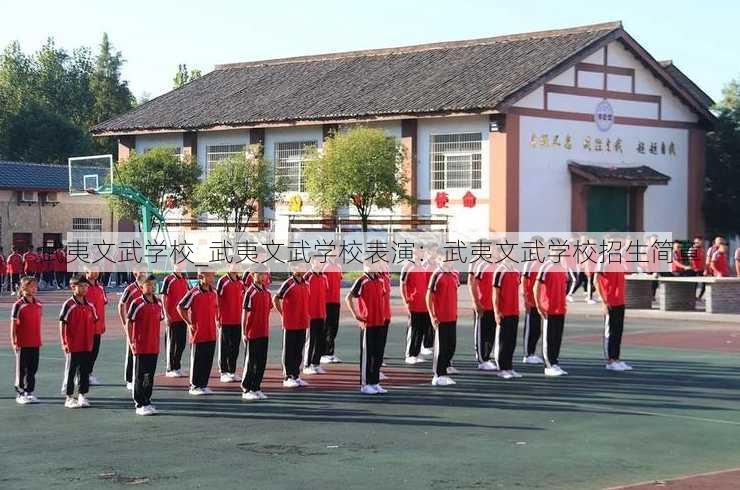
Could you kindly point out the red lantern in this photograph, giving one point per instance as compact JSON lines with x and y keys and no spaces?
{"x":469,"y":200}
{"x":442,"y":199}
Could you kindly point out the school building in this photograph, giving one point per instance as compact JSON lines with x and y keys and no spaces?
{"x":36,"y":208}
{"x":577,"y":129}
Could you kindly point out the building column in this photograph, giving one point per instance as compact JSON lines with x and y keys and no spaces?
{"x":410,"y":143}
{"x":504,"y":173}
{"x":190,"y":146}
{"x":126,"y":144}
{"x":696,"y":172}
{"x":637,"y":209}
{"x":578,"y":205}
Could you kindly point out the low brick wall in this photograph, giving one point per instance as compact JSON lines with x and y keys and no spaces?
{"x":677,"y":296}
{"x":722,"y":297}
{"x":638,"y":293}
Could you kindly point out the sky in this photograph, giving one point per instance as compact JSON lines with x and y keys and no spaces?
{"x":157,"y":35}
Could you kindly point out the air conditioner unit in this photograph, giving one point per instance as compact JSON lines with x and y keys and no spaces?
{"x":29,"y":196}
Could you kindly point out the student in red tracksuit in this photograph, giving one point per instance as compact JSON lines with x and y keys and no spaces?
{"x":718,"y":263}
{"x":480,"y":285}
{"x":333,"y":274}
{"x":76,"y":330}
{"x":60,"y":268}
{"x":442,"y":304}
{"x":31,"y":263}
{"x":3,"y":270}
{"x":697,"y":258}
{"x":15,"y":269}
{"x":25,"y":339}
{"x":610,"y":283}
{"x":97,"y":297}
{"x":256,"y":333}
{"x":132,"y":292}
{"x":145,"y":316}
{"x":678,"y":268}
{"x":506,"y":311}
{"x":292,"y":303}
{"x":199,"y":308}
{"x":431,"y":261}
{"x":532,"y":319}
{"x":318,"y":286}
{"x":549,"y":295}
{"x":230,"y":292}
{"x":366,"y":301}
{"x":414,"y":282}
{"x":174,"y":288}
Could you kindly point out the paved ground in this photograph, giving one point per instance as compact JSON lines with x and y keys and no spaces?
{"x":677,"y":414}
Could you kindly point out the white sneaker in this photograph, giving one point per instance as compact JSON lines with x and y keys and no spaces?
{"x":94,"y":381}
{"x":207,"y":391}
{"x":32,"y":398}
{"x":71,"y":403}
{"x":569,"y":298}
{"x":22,"y":400}
{"x":533,"y":359}
{"x":625,"y":366}
{"x":251,"y":396}
{"x":614,"y":366}
{"x":226,"y":378}
{"x":562,"y":371}
{"x":505,"y":374}
{"x":141,"y":411}
{"x":368,"y":390}
{"x":302,"y":383}
{"x":197,"y":391}
{"x":130,"y":386}
{"x":380,"y":389}
{"x":516,"y":375}
{"x":426,"y":351}
{"x":290,"y":383}
{"x":261,"y":395}
{"x":309,"y":370}
{"x":152,"y":410}
{"x":413,"y":360}
{"x":171,"y":374}
{"x":382,"y":376}
{"x":179,"y":373}
{"x":336,"y":360}
{"x":319,"y":370}
{"x":487,"y":366}
{"x":452,"y":370}
{"x":590,"y":302}
{"x":82,"y":401}
{"x":326,"y":360}
{"x":442,"y":381}
{"x":553,"y":371}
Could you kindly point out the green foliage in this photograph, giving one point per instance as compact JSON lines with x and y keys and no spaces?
{"x":184,"y":76}
{"x":362,"y":168}
{"x":50,"y":99}
{"x":235,"y":188}
{"x":159,"y":175}
{"x":722,"y":199}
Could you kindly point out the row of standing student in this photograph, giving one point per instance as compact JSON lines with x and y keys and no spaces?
{"x":45,"y":264}
{"x":208,"y":312}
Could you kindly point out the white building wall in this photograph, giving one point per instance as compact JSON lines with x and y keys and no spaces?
{"x":545,"y":185}
{"x":146,"y":142}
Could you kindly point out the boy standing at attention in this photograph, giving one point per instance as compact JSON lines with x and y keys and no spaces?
{"x":25,"y":339}
{"x":366,"y":301}
{"x":15,"y":269}
{"x":549,"y":296}
{"x":317,"y":287}
{"x":96,"y":296}
{"x":144,"y":318}
{"x":230,"y":292}
{"x":480,"y":285}
{"x":132,"y":292}
{"x":506,"y":310}
{"x":291,"y":302}
{"x":76,"y":331}
{"x":609,"y":279}
{"x":256,"y":332}
{"x":442,"y":304}
{"x":174,"y":288}
{"x":414,"y":282}
{"x":199,"y":308}
{"x":333,"y":274}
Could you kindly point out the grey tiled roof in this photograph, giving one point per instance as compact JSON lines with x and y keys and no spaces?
{"x":33,"y":176}
{"x":469,"y":76}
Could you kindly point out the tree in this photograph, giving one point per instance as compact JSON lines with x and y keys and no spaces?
{"x":722,"y":198}
{"x":159,"y":175}
{"x":184,"y":76}
{"x":111,"y":95}
{"x":362,"y":168}
{"x":236,"y":188}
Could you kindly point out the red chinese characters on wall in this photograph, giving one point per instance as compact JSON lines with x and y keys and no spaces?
{"x":469,"y":200}
{"x":442,"y":199}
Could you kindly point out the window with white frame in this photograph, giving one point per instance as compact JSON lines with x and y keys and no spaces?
{"x":87,"y":224}
{"x":219,"y":153}
{"x":289,"y":163}
{"x":456,"y":161}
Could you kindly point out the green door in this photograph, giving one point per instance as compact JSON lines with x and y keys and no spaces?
{"x":608,"y":209}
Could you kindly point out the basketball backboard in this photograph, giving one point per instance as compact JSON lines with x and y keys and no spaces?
{"x":91,"y":175}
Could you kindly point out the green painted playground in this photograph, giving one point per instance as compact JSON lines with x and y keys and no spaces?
{"x":677,"y":415}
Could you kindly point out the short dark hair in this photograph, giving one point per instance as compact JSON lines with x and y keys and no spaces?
{"x":150,"y":278}
{"x":78,"y":279}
